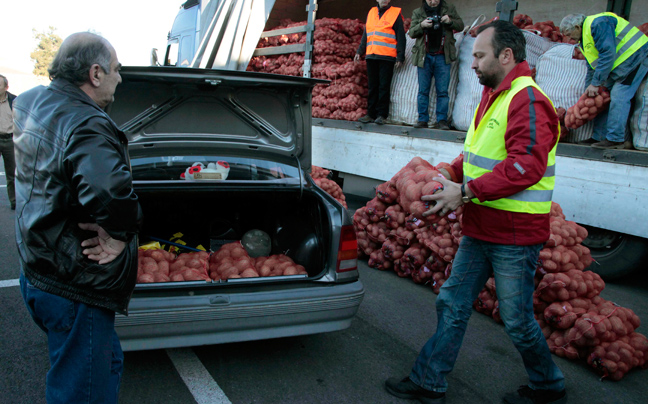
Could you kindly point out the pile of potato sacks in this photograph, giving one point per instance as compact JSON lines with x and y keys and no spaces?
{"x":335,"y":42}
{"x":576,"y":321}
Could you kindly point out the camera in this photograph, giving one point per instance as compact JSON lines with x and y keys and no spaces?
{"x":436,"y":21}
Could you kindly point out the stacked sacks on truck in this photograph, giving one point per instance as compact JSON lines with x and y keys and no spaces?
{"x":335,"y":42}
{"x":562,"y":77}
{"x":469,"y":90}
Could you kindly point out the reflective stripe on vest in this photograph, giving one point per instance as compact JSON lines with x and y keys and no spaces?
{"x":485,"y":147}
{"x":628,"y":40}
{"x":381,"y":37}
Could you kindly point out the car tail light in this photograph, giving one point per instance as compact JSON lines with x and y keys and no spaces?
{"x":347,"y":259}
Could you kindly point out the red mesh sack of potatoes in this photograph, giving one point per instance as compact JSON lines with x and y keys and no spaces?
{"x":614,"y":359}
{"x":376,"y":209}
{"x":560,"y":346}
{"x":377,"y":260}
{"x":377,"y":232}
{"x":395,"y":216}
{"x":153,"y":265}
{"x":191,"y":266}
{"x":361,"y":218}
{"x":586,"y":108}
{"x":331,"y":188}
{"x":387,"y":192}
{"x":568,"y":285}
{"x":404,"y":236}
{"x":392,"y":250}
{"x":365,"y":245}
{"x":230,"y":261}
{"x":319,"y":172}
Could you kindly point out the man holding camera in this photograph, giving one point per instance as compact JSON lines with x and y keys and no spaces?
{"x":432,"y":26}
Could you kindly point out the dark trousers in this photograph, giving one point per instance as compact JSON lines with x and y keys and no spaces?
{"x":7,"y":153}
{"x":379,"y":73}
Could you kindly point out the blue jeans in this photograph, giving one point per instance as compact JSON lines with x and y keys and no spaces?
{"x":86,"y":360}
{"x":434,"y":66}
{"x":514,"y":268}
{"x":611,"y":124}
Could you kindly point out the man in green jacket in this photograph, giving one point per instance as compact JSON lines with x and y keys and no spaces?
{"x":433,"y":26}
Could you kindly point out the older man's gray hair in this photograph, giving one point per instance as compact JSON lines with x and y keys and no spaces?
{"x":570,"y":22}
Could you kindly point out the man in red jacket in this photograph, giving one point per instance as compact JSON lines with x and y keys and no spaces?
{"x":507,"y":179}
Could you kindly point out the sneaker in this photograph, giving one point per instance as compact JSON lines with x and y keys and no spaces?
{"x":527,"y":395}
{"x":420,"y":125}
{"x":588,"y":141}
{"x":366,"y":119}
{"x":380,"y":120}
{"x":407,"y":389}
{"x":443,"y":125}
{"x":606,"y":144}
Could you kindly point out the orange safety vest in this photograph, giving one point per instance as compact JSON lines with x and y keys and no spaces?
{"x":381,"y":37}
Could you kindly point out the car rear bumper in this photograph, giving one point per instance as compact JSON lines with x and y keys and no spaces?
{"x":180,"y":321}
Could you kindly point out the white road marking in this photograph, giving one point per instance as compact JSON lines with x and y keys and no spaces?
{"x":9,"y":283}
{"x":200,"y":383}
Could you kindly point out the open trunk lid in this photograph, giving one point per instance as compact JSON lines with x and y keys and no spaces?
{"x":238,"y":113}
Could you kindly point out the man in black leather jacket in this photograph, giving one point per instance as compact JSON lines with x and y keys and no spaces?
{"x":77,"y":219}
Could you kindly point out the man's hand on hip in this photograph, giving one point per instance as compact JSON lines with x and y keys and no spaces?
{"x":102,"y":248}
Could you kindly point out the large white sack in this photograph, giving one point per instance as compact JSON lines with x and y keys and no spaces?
{"x":403,"y":107}
{"x":639,"y":117}
{"x":562,"y":78}
{"x":469,"y":90}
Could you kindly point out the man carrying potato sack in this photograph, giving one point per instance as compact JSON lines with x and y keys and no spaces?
{"x":506,"y":180}
{"x":617,"y":59}
{"x":77,"y":219}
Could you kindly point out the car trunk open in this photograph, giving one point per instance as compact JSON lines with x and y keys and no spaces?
{"x":296,"y":221}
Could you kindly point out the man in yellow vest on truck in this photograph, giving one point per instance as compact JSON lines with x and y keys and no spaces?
{"x":617,"y":58}
{"x":505,"y":183}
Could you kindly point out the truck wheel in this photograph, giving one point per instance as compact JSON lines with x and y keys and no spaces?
{"x":615,"y":254}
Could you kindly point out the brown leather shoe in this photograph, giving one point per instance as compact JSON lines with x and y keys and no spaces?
{"x":606,"y":144}
{"x":443,"y":125}
{"x":420,"y":125}
{"x":366,"y":119}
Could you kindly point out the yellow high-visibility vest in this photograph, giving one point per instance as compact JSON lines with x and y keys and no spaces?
{"x":628,"y":40}
{"x":485,"y":147}
{"x":381,"y":37}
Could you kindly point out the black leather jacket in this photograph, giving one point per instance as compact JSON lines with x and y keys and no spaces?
{"x":72,"y":167}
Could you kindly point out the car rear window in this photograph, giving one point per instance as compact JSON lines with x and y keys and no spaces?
{"x":169,"y":168}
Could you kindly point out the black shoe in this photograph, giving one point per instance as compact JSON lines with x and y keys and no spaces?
{"x":420,"y":125}
{"x":526,"y":395}
{"x":380,"y":120}
{"x":588,"y":141}
{"x":606,"y":144}
{"x":443,"y":125}
{"x":13,"y":207}
{"x":407,"y":389}
{"x":366,"y":119}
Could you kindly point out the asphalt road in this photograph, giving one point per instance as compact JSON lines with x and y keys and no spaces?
{"x":394,"y":321}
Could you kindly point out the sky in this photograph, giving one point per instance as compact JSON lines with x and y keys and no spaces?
{"x":133,"y":27}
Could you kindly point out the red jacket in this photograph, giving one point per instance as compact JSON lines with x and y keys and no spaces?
{"x":528,"y":143}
